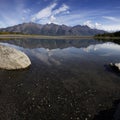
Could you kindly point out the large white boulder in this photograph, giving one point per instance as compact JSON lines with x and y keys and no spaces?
{"x":12,"y":59}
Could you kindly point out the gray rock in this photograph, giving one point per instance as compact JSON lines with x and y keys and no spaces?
{"x":12,"y":59}
{"x":116,"y":65}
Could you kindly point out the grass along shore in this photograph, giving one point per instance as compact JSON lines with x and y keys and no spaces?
{"x":7,"y":36}
{"x":44,"y":37}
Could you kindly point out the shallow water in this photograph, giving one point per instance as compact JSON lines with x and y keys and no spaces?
{"x":68,"y":80}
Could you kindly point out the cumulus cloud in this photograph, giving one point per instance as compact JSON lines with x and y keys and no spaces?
{"x":52,"y":19}
{"x":108,"y":27}
{"x":49,"y":13}
{"x":88,"y":23}
{"x":92,"y":25}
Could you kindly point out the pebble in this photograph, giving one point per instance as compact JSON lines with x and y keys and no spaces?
{"x":86,"y":118}
{"x":33,"y":98}
{"x":78,"y":118}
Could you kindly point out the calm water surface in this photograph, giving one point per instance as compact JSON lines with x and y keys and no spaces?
{"x":68,"y":80}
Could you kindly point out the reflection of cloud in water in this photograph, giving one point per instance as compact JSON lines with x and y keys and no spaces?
{"x":104,"y":46}
{"x":51,"y":56}
{"x":55,"y":56}
{"x":45,"y":55}
{"x":89,"y":48}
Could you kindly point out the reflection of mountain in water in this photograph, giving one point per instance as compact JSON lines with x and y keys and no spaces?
{"x":50,"y":52}
{"x":51,"y":44}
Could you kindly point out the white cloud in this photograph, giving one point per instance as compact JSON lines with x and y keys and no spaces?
{"x":49,"y":13}
{"x":108,"y":27}
{"x":111,"y":18}
{"x":61,"y":9}
{"x":44,"y":13}
{"x":89,"y":23}
{"x":92,"y":25}
{"x":98,"y":25}
{"x":52,"y":19}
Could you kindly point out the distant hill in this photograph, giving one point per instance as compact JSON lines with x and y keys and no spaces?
{"x":114,"y":34}
{"x":51,"y":29}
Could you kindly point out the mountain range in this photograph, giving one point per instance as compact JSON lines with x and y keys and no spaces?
{"x":52,"y":29}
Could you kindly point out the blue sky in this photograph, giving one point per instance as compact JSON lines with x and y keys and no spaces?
{"x":100,"y":14}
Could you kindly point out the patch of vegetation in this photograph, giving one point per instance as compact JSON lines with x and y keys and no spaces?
{"x":115,"y":34}
{"x":19,"y":35}
{"x":109,"y":37}
{"x":7,"y":33}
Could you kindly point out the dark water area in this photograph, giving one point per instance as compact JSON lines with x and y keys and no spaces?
{"x":68,"y":80}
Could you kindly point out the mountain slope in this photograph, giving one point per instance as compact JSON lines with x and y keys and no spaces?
{"x":52,"y":29}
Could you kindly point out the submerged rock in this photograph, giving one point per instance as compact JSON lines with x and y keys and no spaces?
{"x":115,"y":65}
{"x":12,"y":59}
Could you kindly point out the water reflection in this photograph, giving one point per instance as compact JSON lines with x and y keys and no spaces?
{"x":67,"y":80}
{"x":108,"y":52}
{"x":50,"y":44}
{"x":104,"y":49}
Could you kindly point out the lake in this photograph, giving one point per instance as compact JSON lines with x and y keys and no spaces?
{"x":68,"y":80}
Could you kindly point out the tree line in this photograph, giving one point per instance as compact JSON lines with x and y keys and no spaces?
{"x":115,"y":34}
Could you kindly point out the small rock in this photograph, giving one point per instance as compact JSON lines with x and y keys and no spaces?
{"x":33,"y":98}
{"x":115,"y":65}
{"x":78,"y":118}
{"x":38,"y":107}
{"x":89,"y":115}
